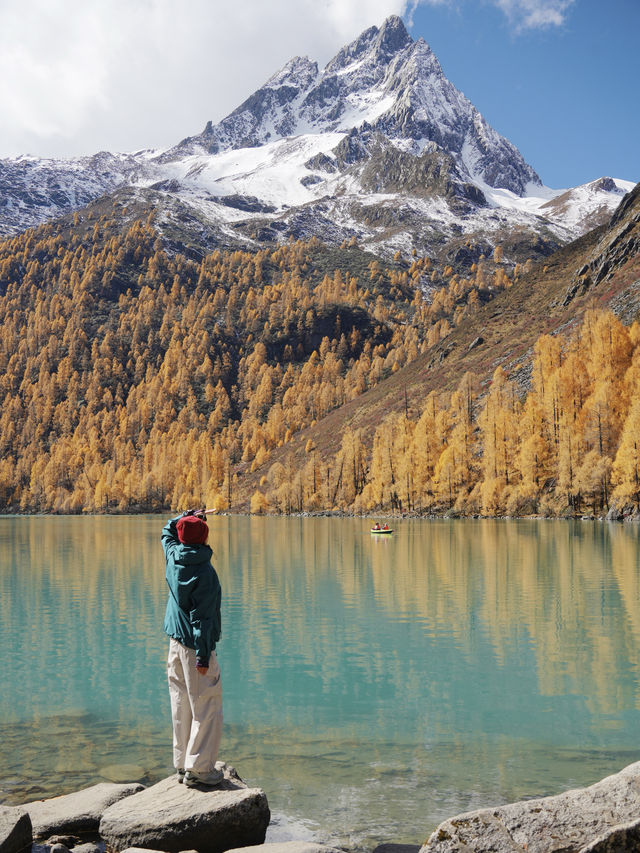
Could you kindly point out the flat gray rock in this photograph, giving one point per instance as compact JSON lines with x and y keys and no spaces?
{"x":172,"y":817}
{"x":79,"y":812}
{"x":15,"y":829}
{"x":287,"y":847}
{"x":602,"y":818}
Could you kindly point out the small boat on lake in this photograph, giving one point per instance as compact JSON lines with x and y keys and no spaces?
{"x":381,"y":529}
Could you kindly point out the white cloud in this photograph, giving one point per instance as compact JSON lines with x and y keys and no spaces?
{"x":534,"y":14}
{"x":126,"y":74}
{"x":521,"y":14}
{"x":50,"y":72}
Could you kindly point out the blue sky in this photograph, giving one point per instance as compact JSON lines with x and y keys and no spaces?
{"x":567,"y":95}
{"x":558,"y":78}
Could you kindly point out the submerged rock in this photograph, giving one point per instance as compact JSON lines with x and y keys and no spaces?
{"x":287,"y":847}
{"x":173,"y":817}
{"x":79,"y":812}
{"x":602,"y":818}
{"x":123,"y":772}
{"x":15,"y":829}
{"x":397,"y":848}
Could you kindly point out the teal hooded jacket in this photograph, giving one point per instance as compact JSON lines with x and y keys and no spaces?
{"x":193,"y":609}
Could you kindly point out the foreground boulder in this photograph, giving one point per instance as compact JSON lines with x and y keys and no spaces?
{"x":172,"y":817}
{"x":76,"y":813}
{"x":15,"y":829}
{"x":604,"y":818}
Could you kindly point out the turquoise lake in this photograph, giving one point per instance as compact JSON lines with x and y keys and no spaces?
{"x":373,"y":686}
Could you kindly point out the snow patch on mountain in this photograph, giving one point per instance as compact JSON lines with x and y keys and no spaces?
{"x":273,"y":172}
{"x":577,"y":210}
{"x":587,"y":205}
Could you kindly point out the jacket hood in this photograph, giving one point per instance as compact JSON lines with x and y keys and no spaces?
{"x":189,"y":555}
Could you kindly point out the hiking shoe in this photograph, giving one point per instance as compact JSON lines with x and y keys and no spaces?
{"x":191,"y":778}
{"x":180,"y":774}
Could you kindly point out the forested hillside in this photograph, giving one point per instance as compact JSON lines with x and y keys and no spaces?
{"x":132,"y":379}
{"x":569,"y":445}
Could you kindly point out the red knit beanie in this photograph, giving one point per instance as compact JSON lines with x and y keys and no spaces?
{"x":192,"y":530}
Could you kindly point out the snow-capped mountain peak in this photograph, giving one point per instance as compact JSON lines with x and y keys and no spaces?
{"x":385,"y":80}
{"x":381,"y":44}
{"x":378,"y":144}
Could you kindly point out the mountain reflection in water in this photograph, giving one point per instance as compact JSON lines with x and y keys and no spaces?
{"x":372,"y":687}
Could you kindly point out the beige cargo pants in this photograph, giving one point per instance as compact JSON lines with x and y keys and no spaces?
{"x":196,"y":709}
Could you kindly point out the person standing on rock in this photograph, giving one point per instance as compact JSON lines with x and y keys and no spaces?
{"x":192,"y":621}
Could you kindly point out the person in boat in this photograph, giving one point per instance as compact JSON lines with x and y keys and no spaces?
{"x":385,"y":527}
{"x":376,"y":526}
{"x":192,"y":622}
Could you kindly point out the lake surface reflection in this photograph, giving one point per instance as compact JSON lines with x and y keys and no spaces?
{"x":372,"y":686}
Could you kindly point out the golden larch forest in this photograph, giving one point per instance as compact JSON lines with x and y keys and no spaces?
{"x":137,"y":380}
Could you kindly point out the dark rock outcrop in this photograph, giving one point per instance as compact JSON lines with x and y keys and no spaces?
{"x":620,"y":243}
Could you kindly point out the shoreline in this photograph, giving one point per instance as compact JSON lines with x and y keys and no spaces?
{"x":631,"y":516}
{"x":168,"y":816}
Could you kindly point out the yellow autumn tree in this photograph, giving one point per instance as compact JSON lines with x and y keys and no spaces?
{"x":626,"y":466}
{"x":425,"y":450}
{"x":499,"y":436}
{"x":534,"y":461}
{"x":259,"y":503}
